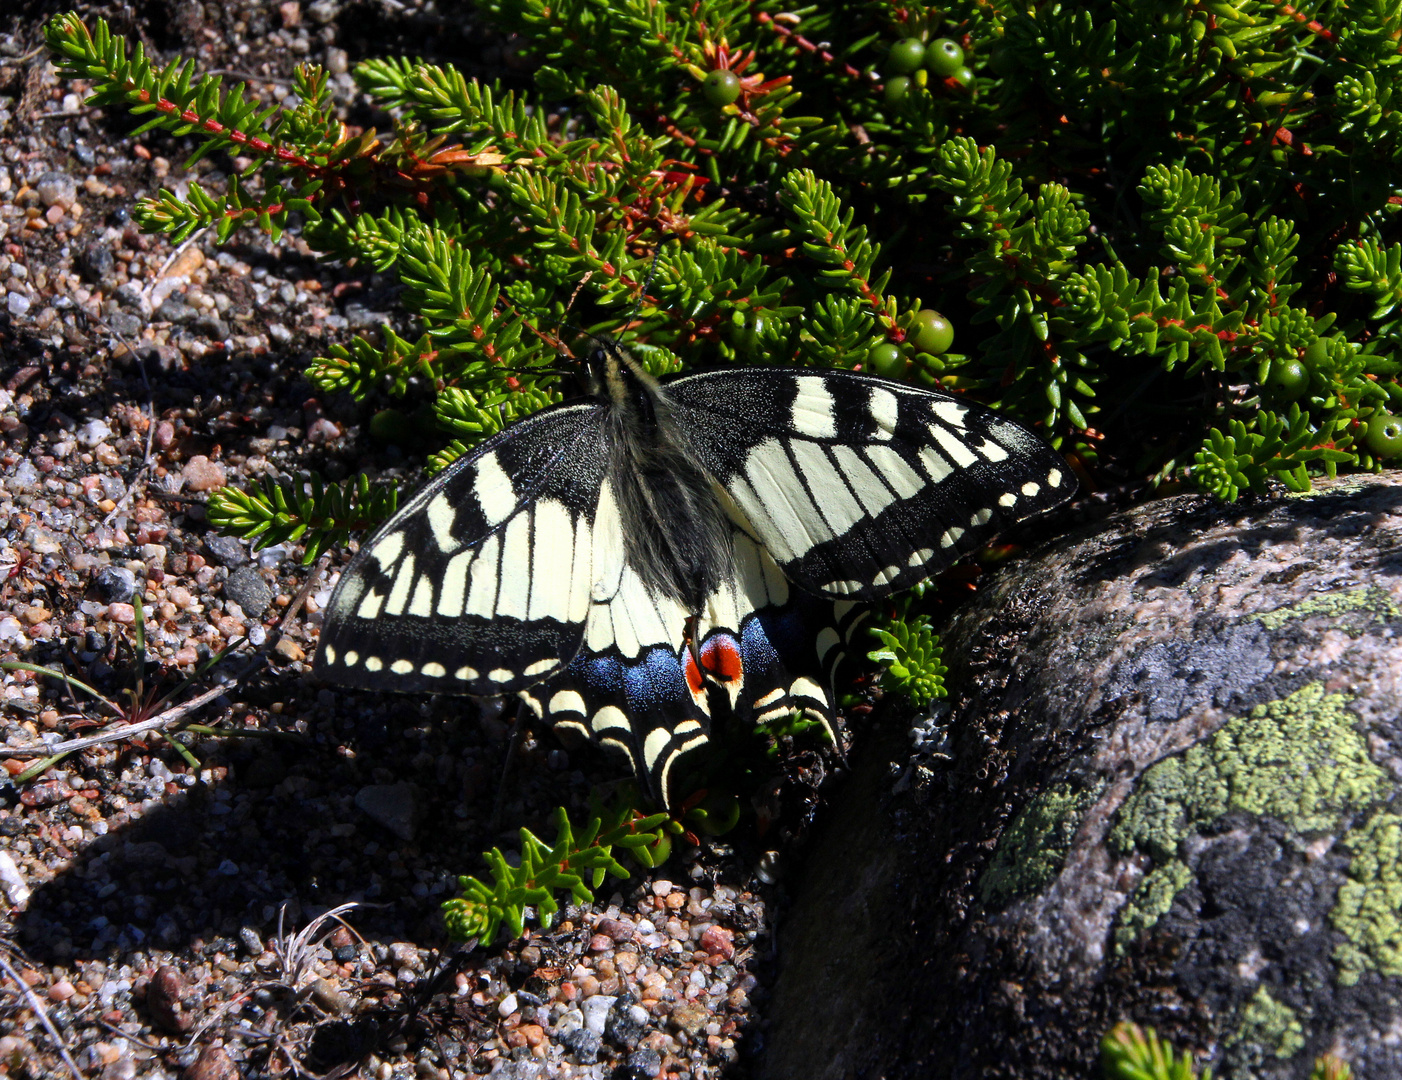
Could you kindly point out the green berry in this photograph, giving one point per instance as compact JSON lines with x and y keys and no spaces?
{"x":1316,"y":352}
{"x":392,"y":426}
{"x":721,"y":87}
{"x":896,"y":90}
{"x":964,"y":76}
{"x":1288,"y":379}
{"x":905,"y":56}
{"x":944,"y":57}
{"x":886,"y":359}
{"x":932,"y":332}
{"x":1384,"y":437}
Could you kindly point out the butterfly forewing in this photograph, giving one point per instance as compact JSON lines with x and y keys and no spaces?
{"x":481,"y":583}
{"x":859,"y":486}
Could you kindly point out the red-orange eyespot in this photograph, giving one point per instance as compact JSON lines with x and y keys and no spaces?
{"x":721,"y":658}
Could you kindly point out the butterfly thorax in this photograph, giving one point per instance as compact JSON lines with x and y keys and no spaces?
{"x":676,"y":534}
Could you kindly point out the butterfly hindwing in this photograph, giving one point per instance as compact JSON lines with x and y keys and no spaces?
{"x":481,"y":583}
{"x":859,"y":486}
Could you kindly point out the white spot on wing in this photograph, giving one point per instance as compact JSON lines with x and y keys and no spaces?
{"x":804,"y":687}
{"x":1008,"y":499}
{"x":1031,"y":488}
{"x":758,"y":518}
{"x":352,"y":658}
{"x":873,"y":494}
{"x":421,"y":603}
{"x":399,"y":591}
{"x":388,"y":549}
{"x":884,"y":408}
{"x":540,"y":667}
{"x":370,"y":607}
{"x":550,"y":555}
{"x":894,"y":469}
{"x":373,"y":663}
{"x":992,"y":451}
{"x":981,"y":517}
{"x":466,"y":674}
{"x":453,"y":588}
{"x":513,"y":597}
{"x":495,"y":492}
{"x":782,"y":494}
{"x":952,"y":445}
{"x":813,"y":408}
{"x":656,"y":741}
{"x":827,"y":641}
{"x":329,"y":652}
{"x":837,"y":504}
{"x":441,"y":514}
{"x":580,"y":561}
{"x":401,"y":667}
{"x":607,"y":568}
{"x":921,"y":557}
{"x":482,"y":579}
{"x":935,"y":463}
{"x":433,"y":670}
{"x":951,"y":412}
{"x":501,"y":675}
{"x":1054,"y":478}
{"x":951,"y":536}
{"x":569,"y":701}
{"x":609,"y":717}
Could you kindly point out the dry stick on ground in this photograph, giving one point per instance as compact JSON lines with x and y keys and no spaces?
{"x":39,"y":1011}
{"x":175,"y":712}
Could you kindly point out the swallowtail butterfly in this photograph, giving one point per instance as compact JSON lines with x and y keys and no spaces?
{"x":661,"y":555}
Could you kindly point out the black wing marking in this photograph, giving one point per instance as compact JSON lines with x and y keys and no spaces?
{"x":857,"y":485}
{"x":481,"y":584}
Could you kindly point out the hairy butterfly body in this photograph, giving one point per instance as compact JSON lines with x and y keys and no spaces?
{"x":658,"y":556}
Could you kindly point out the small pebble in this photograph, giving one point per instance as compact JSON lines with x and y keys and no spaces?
{"x":201,"y":474}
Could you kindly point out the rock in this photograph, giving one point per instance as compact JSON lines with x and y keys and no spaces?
{"x":17,"y":304}
{"x":175,"y":311}
{"x":201,"y":474}
{"x":1164,"y":794}
{"x":115,"y":585}
{"x":93,"y":432}
{"x":583,"y":1044}
{"x":642,"y":1065}
{"x":331,"y":998}
{"x":395,"y":806}
{"x":96,"y":262}
{"x":596,"y":1011}
{"x":225,"y":550}
{"x":627,"y":1022}
{"x":214,"y":1063}
{"x":57,"y":189}
{"x":125,"y":323}
{"x":249,"y":591}
{"x":165,"y":999}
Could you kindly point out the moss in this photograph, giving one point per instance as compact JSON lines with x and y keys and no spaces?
{"x":1367,"y":908}
{"x":1267,"y":1028}
{"x":1151,"y":901}
{"x":1033,"y":848}
{"x":1367,"y":598}
{"x":1298,"y":759}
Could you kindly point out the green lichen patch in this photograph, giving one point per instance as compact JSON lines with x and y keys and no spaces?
{"x":1267,"y":1028}
{"x":1150,"y":901}
{"x":1299,"y":759}
{"x":1033,"y":848}
{"x":1368,"y":909}
{"x":1369,"y":599}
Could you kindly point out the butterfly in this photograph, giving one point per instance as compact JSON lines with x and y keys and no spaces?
{"x":663,"y":556}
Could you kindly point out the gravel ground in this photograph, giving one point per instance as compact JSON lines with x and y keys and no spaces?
{"x":163,"y":918}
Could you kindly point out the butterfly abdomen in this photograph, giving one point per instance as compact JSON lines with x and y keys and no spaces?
{"x":676,"y":533}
